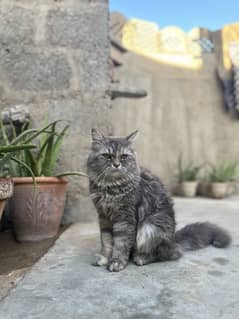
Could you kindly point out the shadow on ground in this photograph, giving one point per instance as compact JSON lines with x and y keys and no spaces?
{"x":16,"y":258}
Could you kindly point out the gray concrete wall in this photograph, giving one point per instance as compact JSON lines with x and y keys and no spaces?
{"x":54,"y":59}
{"x":183,"y":113}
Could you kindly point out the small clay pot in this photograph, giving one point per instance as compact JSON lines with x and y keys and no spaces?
{"x":188,"y":189}
{"x":36,"y":211}
{"x":219,"y":190}
{"x":6,"y":191}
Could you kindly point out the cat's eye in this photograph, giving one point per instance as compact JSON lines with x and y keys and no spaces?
{"x":106,"y":156}
{"x":124,"y":157}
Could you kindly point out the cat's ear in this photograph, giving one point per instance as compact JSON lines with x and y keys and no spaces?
{"x":131,"y":137}
{"x":96,"y":135}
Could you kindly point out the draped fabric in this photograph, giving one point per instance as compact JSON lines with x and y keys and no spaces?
{"x":234,"y":55}
{"x":227,"y":55}
{"x":231,"y":82}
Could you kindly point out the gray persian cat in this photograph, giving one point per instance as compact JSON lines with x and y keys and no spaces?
{"x":136,"y":214}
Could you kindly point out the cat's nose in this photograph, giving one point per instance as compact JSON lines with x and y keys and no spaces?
{"x":116,"y":164}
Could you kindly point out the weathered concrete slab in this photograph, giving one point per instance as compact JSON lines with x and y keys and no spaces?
{"x":203,"y":284}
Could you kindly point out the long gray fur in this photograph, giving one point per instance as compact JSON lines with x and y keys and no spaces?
{"x":136,"y":214}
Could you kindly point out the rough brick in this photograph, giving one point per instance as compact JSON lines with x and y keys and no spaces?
{"x":78,"y":28}
{"x":34,"y":71}
{"x":92,"y":70}
{"x":17,"y":25}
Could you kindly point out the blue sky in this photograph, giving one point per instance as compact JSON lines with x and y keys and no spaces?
{"x":212,"y":14}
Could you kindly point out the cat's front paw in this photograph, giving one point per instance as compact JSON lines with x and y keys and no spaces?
{"x":141,"y":260}
{"x":116,"y":265}
{"x":100,"y":260}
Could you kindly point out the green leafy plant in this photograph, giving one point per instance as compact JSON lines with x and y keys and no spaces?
{"x":223,"y":172}
{"x":7,"y":157}
{"x":43,"y":159}
{"x":8,"y":150}
{"x":188,"y":173}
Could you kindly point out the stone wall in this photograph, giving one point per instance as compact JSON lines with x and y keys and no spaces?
{"x":54,"y":59}
{"x":183,"y":114}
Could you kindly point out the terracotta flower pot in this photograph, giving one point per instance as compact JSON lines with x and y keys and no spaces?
{"x":36,"y":212}
{"x":6,"y":191}
{"x":189,"y":189}
{"x":219,"y":190}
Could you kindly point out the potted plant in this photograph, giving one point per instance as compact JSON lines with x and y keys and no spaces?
{"x":221,"y":177}
{"x":187,"y":179}
{"x":37,"y":205}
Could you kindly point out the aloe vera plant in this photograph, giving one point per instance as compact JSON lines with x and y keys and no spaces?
{"x":188,"y":173}
{"x":43,"y":159}
{"x":8,"y":152}
{"x":223,"y":172}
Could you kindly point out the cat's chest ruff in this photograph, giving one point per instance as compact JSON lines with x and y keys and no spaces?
{"x":105,"y":202}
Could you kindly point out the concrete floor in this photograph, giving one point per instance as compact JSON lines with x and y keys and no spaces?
{"x":203,"y":284}
{"x":16,"y":259}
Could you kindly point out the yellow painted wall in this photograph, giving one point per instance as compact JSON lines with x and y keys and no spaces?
{"x":169,"y":45}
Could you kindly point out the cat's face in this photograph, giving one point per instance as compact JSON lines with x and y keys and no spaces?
{"x":112,"y":158}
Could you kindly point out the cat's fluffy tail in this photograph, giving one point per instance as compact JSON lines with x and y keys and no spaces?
{"x":199,"y":235}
